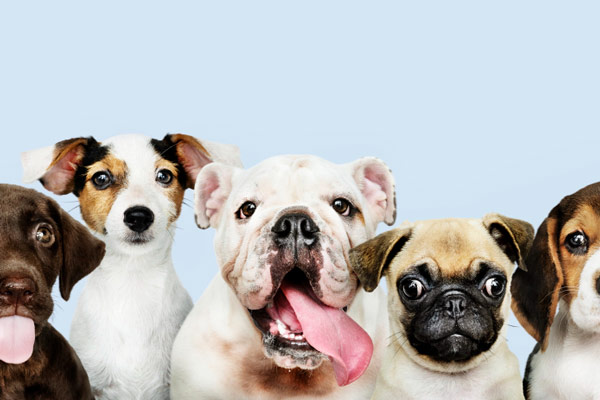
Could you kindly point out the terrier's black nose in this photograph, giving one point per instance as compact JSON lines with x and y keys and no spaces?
{"x":138,"y":218}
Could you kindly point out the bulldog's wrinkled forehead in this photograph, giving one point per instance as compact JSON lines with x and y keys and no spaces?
{"x":296,"y":178}
{"x":452,"y":244}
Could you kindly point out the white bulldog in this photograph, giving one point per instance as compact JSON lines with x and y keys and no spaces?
{"x":275,"y":325}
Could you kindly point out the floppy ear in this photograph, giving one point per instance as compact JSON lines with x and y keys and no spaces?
{"x":55,"y":166}
{"x":513,"y":236}
{"x":376,"y":183}
{"x":194,"y":154}
{"x":535,"y":291}
{"x":82,"y":253}
{"x":370,"y":259}
{"x":211,"y":191}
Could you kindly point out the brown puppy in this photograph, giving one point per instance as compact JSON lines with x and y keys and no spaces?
{"x":563,"y":268}
{"x":447,"y":306}
{"x":39,"y":242}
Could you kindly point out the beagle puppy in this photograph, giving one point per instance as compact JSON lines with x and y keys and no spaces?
{"x":564,"y":273}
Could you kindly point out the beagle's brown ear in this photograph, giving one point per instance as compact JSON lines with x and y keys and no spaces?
{"x":81,"y":252}
{"x":370,"y":259}
{"x":55,"y":166}
{"x":535,"y":291}
{"x":513,"y":236}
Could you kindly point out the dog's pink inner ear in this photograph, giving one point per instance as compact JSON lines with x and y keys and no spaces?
{"x":59,"y":177}
{"x":193,"y":158}
{"x":376,"y":184}
{"x":212,"y":189}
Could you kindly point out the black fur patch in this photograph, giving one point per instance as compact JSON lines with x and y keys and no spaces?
{"x":93,"y":152}
{"x":167,"y":149}
{"x":526,"y":378}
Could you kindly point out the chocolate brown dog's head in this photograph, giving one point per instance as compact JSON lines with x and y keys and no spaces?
{"x":447,"y":283}
{"x":40,"y":242}
{"x":563,"y":264}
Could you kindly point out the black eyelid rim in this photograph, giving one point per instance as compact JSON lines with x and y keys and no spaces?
{"x":107,"y":172}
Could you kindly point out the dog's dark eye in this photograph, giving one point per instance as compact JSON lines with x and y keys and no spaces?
{"x":44,"y":235}
{"x":102,"y":180}
{"x":577,"y":243}
{"x":246,"y":210}
{"x":494,"y":287}
{"x":412,"y":289}
{"x":164,"y":177}
{"x":342,"y":206}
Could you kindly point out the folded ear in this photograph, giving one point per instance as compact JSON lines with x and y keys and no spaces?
{"x":513,"y":236}
{"x":376,"y":183}
{"x":55,"y":166}
{"x":194,"y":154}
{"x":211,"y":191}
{"x":535,"y":292}
{"x":82,"y":253}
{"x":370,"y":259}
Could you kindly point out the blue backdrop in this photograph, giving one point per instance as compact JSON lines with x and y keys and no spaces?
{"x":476,"y":106}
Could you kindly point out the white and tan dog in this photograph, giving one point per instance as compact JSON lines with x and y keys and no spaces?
{"x":563,"y":270}
{"x":274,"y":325}
{"x":448,"y":306}
{"x":130,"y":189}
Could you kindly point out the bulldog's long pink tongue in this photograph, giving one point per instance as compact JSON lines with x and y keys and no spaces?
{"x":332,"y":332}
{"x":17,"y":335}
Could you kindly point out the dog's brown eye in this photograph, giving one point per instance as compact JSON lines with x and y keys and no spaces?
{"x":164,"y":177}
{"x":342,"y":206}
{"x":577,"y":243}
{"x":494,"y":287}
{"x":246,"y":210}
{"x":412,"y":289}
{"x":44,"y":235}
{"x":102,"y":180}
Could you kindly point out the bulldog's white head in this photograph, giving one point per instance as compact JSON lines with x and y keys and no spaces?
{"x":284,"y":230}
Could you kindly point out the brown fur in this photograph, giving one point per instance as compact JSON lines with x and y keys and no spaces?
{"x":54,"y":370}
{"x":186,"y":145}
{"x":174,"y":191}
{"x":96,"y":204}
{"x":554,"y":272}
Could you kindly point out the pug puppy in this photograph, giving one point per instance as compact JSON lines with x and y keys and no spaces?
{"x":448,"y":305}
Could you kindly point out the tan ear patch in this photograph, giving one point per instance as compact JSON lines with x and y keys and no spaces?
{"x":96,"y":204}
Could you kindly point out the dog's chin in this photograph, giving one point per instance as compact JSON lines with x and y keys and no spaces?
{"x":290,"y":354}
{"x":456,"y":348}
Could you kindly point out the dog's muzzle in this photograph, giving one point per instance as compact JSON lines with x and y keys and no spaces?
{"x":295,"y":229}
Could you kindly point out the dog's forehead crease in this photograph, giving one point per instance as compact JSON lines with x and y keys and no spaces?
{"x":455,"y":246}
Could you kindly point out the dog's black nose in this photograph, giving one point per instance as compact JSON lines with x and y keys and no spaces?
{"x":296,"y":226}
{"x":15,"y":291}
{"x":138,"y":218}
{"x":455,"y":304}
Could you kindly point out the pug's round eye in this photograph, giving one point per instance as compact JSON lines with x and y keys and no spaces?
{"x":577,"y":242}
{"x":494,"y":287}
{"x":412,"y":289}
{"x":164,"y":177}
{"x":342,"y":206}
{"x":246,"y":210}
{"x":44,"y":235}
{"x":102,"y":180}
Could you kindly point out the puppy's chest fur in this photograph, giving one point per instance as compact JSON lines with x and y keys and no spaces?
{"x":147,"y":306}
{"x":568,"y":369}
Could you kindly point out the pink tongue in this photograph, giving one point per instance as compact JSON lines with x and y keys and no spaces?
{"x":331,"y":332}
{"x":17,"y":335}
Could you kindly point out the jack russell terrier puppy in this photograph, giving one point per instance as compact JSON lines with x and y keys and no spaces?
{"x":448,"y":306}
{"x":40,"y":242}
{"x":130,"y":189}
{"x":563,"y":272}
{"x":274,"y":324}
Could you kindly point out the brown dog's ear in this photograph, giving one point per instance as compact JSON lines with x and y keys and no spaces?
{"x":535,"y":291}
{"x":370,"y":259}
{"x":513,"y":236}
{"x":81,"y":251}
{"x":194,"y":154}
{"x":55,"y":166}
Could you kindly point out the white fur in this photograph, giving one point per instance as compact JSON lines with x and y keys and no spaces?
{"x":200,"y":367}
{"x":133,"y":304}
{"x":568,"y":369}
